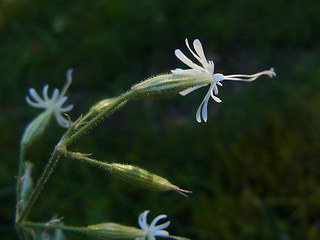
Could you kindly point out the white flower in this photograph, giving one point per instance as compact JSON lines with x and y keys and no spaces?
{"x":152,"y":230}
{"x":207,"y":69}
{"x":53,"y":104}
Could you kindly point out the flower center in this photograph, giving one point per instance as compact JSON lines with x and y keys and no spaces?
{"x":218,"y":77}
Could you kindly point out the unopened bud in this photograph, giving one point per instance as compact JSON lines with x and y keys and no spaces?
{"x":167,"y":85}
{"x":100,"y":106}
{"x":142,"y":178}
{"x":111,"y":231}
{"x":36,"y":128}
{"x":26,"y":183}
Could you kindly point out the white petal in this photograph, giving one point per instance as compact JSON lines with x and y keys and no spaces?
{"x":189,"y":90}
{"x":62,"y":100}
{"x":45,"y":93}
{"x":69,"y":80}
{"x":55,"y":95}
{"x":66,"y":109}
{"x":142,"y":220}
{"x":215,"y":89}
{"x":198,"y":47}
{"x":203,"y":107}
{"x":162,"y":226}
{"x":205,"y":110}
{"x":161,"y":233}
{"x":218,"y":100}
{"x":198,"y":117}
{"x":186,"y":60}
{"x":180,"y":71}
{"x":35,"y":104}
{"x":154,"y":222}
{"x":35,"y":95}
{"x":203,"y":62}
{"x":61,"y":120}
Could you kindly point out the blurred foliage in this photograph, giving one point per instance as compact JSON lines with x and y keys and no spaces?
{"x":254,"y":167}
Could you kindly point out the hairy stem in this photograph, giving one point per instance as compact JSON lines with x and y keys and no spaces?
{"x":48,"y":225}
{"x":40,"y":184}
{"x":65,"y":141}
{"x":124,"y":97}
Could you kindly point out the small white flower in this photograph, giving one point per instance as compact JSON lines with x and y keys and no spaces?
{"x":152,"y":230}
{"x":53,"y":104}
{"x":207,"y":70}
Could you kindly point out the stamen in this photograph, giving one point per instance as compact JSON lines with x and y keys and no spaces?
{"x":249,"y":78}
{"x":183,"y":192}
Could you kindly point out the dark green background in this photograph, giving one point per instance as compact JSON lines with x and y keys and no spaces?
{"x":253,"y":167}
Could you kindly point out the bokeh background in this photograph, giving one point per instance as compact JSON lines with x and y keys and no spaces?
{"x":253,"y":167}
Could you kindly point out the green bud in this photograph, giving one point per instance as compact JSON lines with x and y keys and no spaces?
{"x":36,"y":128}
{"x":167,"y":85}
{"x":100,"y":106}
{"x":142,"y":178}
{"x":111,"y":231}
{"x":26,"y":183}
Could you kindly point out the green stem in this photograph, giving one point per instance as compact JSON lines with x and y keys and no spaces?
{"x":57,"y":153}
{"x":46,"y":225}
{"x":124,"y":97}
{"x":82,"y":157}
{"x":40,"y":184}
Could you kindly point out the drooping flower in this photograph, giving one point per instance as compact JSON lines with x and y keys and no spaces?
{"x":152,"y":230}
{"x":53,"y":104}
{"x":207,"y":70}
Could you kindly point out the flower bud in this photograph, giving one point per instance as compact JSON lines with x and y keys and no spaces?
{"x":26,"y":183}
{"x":167,"y":85}
{"x":100,"y":106}
{"x":111,"y":231}
{"x":36,"y":128}
{"x":142,"y":178}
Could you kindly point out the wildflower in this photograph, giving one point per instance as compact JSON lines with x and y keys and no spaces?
{"x":152,"y":230}
{"x":54,"y":104}
{"x":207,"y":70}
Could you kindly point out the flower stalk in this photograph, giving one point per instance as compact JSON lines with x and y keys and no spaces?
{"x":130,"y":174}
